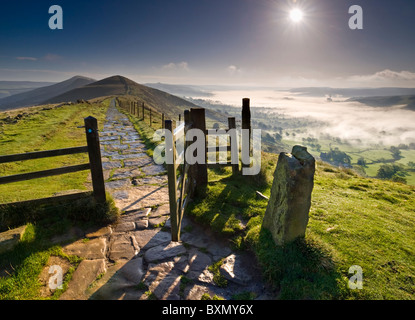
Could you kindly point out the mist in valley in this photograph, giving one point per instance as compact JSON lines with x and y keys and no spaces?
{"x":327,"y":116}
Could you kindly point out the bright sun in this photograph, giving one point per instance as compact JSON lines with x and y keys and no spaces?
{"x":296,"y":15}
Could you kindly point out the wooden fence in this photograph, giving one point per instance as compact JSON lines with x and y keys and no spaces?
{"x":185,"y":179}
{"x":142,"y":112}
{"x":181,"y":186}
{"x":95,"y":165}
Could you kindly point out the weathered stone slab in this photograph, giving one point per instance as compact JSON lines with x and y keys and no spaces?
{"x":108,"y":133}
{"x":178,"y":264}
{"x":141,"y":224}
{"x":163,"y":251}
{"x":118,"y":184}
{"x":286,"y":216}
{"x":204,"y":276}
{"x":135,"y":144}
{"x":108,"y":138}
{"x":126,"y":173}
{"x":133,"y":270}
{"x":136,"y":215}
{"x":96,"y":233}
{"x":218,"y":251}
{"x":116,"y":147}
{"x":142,"y":197}
{"x":128,"y":156}
{"x":89,"y":249}
{"x":85,"y":274}
{"x":10,"y":238}
{"x":120,"y":195}
{"x":199,"y":239}
{"x":111,"y":165}
{"x":124,"y":226}
{"x":163,"y":280}
{"x":198,"y":261}
{"x":152,"y":170}
{"x":134,"y":150}
{"x":123,"y":246}
{"x":108,"y":153}
{"x":156,"y":221}
{"x":194,"y":292}
{"x":162,"y":210}
{"x":157,"y":180}
{"x":149,"y":238}
{"x":234,"y":270}
{"x":112,"y":285}
{"x":140,"y":162}
{"x":113,"y":142}
{"x":164,"y":286}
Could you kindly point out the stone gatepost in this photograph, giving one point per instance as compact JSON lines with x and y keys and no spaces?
{"x":286,"y":216}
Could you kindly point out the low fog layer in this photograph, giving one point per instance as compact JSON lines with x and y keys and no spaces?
{"x":351,"y":121}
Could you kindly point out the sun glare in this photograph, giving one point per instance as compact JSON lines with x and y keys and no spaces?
{"x":296,"y":15}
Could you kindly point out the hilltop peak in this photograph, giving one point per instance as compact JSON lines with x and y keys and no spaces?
{"x":81,"y":77}
{"x":117,"y":79}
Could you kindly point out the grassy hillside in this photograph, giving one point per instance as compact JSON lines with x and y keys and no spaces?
{"x":45,"y":128}
{"x":161,"y":101}
{"x":353,"y":221}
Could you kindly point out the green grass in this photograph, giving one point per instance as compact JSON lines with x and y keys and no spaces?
{"x":27,"y":260}
{"x":46,"y":130}
{"x":353,"y":221}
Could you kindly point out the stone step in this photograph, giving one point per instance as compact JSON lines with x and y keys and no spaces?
{"x":10,"y":238}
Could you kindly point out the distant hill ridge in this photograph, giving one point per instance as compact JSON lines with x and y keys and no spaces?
{"x":388,"y":101}
{"x":40,"y":95}
{"x":82,"y":88}
{"x":121,"y":86}
{"x":9,"y":88}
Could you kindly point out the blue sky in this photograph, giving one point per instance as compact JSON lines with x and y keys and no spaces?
{"x":246,"y":42}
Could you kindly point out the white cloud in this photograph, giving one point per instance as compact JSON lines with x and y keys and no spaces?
{"x":233,"y":70}
{"x":176,"y":66}
{"x":385,"y":76}
{"x":26,"y":58}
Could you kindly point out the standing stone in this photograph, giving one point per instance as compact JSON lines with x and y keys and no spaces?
{"x":286,"y":216}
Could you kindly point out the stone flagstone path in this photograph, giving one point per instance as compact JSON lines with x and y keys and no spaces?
{"x":135,"y":256}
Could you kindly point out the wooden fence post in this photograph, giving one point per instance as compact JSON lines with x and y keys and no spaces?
{"x":172,"y":182}
{"x":94,"y":153}
{"x":142,"y":109}
{"x":150,"y":117}
{"x":162,"y":121}
{"x":197,"y":116}
{"x":246,"y":124}
{"x":234,"y":145}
